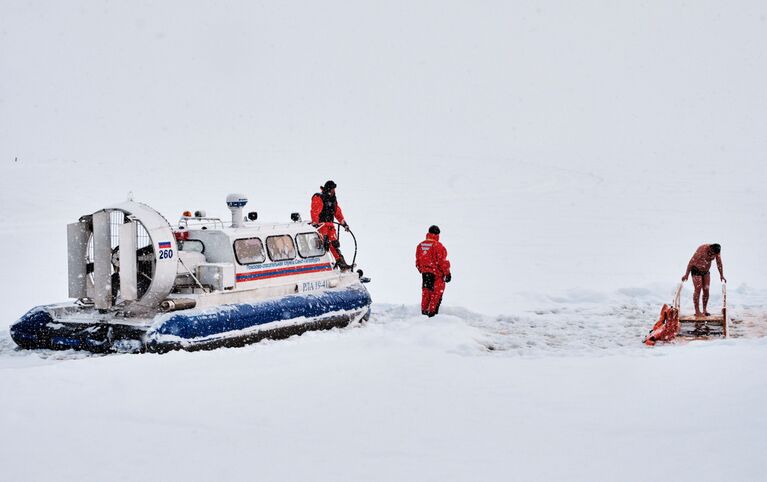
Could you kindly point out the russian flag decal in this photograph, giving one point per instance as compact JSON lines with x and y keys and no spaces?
{"x":164,"y":244}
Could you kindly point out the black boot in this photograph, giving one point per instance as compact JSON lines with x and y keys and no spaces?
{"x":342,"y":265}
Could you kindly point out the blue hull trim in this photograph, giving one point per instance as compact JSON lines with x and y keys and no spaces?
{"x":226,"y":325}
{"x":234,"y":325}
{"x":38,"y":329}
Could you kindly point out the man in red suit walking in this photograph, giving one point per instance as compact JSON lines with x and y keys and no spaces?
{"x":324,"y":209}
{"x":431,"y":261}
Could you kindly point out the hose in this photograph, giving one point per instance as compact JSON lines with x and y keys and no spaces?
{"x":354,"y":238}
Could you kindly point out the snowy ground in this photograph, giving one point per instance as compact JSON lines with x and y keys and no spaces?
{"x":574,"y":154}
{"x":562,"y":393}
{"x":401,"y":399}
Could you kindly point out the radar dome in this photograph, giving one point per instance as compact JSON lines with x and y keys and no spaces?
{"x":236,"y":200}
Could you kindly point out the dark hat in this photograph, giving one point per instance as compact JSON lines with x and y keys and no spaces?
{"x":434,"y":229}
{"x":329,"y":185}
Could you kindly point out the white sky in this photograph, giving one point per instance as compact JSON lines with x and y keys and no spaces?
{"x":589,"y":144}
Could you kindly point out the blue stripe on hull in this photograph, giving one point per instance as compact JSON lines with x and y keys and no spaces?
{"x":237,"y":317}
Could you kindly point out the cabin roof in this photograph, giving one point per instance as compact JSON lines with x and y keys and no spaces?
{"x":250,"y":229}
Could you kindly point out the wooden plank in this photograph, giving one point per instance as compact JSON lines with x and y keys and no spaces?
{"x":718,"y":319}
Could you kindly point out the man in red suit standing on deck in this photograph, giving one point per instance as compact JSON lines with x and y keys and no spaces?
{"x":431,"y":261}
{"x":324,"y":209}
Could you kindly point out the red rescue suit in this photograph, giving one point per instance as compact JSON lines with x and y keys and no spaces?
{"x":666,"y":328}
{"x":324,"y":208}
{"x":431,"y":261}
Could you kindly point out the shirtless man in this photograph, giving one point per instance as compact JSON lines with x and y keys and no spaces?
{"x":699,"y":267}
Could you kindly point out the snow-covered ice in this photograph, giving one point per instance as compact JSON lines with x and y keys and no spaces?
{"x":401,"y":399}
{"x":574,"y":154}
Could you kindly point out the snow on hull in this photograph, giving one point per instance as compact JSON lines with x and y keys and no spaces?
{"x":195,"y":329}
{"x":257,"y":333}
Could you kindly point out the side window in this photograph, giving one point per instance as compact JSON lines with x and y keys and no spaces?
{"x":309,"y":245}
{"x":191,"y":245}
{"x":249,"y":251}
{"x":280,"y":248}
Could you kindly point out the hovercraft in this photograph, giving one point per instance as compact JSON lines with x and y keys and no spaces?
{"x":141,"y":285}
